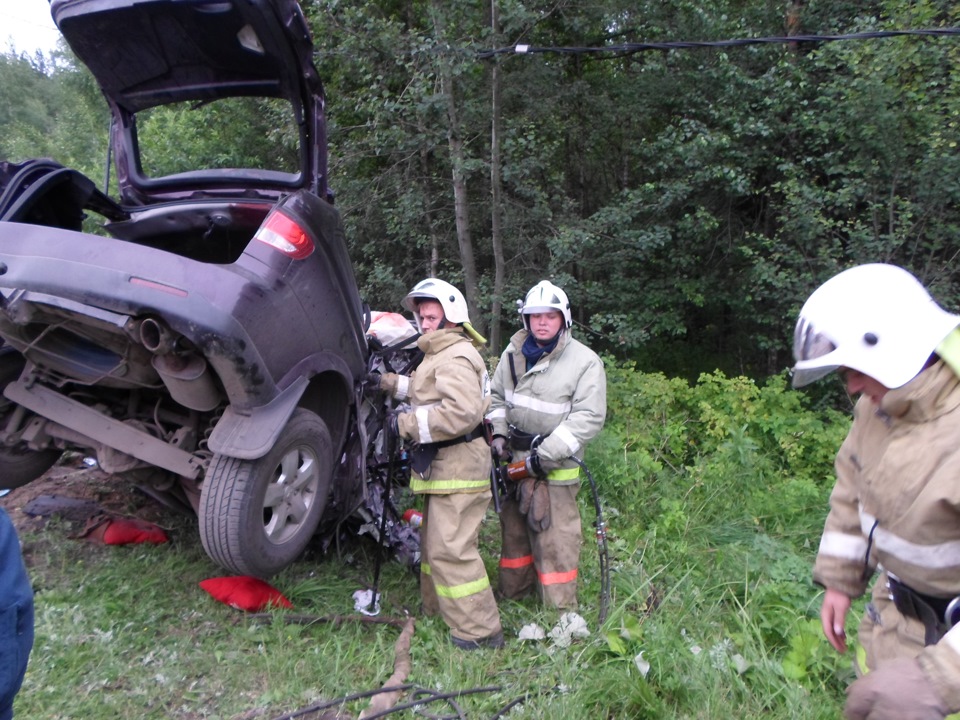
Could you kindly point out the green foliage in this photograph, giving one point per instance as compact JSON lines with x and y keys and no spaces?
{"x":717,"y":493}
{"x":688,"y":200}
{"x":712,"y":611}
{"x":230,"y":133}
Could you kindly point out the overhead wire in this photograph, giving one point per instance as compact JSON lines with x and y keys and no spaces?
{"x":629,"y":48}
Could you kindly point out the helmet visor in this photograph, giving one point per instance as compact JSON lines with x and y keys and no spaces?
{"x":809,"y":346}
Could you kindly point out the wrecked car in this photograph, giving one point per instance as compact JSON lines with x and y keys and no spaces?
{"x":201,"y":335}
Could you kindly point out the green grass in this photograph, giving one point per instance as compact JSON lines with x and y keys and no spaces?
{"x":712,"y":533}
{"x":125,"y":632}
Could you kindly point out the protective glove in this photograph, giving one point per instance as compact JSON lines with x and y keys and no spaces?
{"x":498,"y":446}
{"x":391,"y":430}
{"x":371,"y":384}
{"x":897,"y":690}
{"x":535,"y":466}
{"x":539,"y":466}
{"x":538,"y":516}
{"x":525,"y":490}
{"x":376,"y":383}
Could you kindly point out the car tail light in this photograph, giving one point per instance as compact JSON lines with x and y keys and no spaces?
{"x":284,"y":234}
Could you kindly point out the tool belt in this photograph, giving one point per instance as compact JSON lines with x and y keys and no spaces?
{"x":520,"y":440}
{"x":422,"y":455}
{"x":937,"y":614}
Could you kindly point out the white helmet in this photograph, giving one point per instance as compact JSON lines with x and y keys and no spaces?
{"x":544,"y":297}
{"x":876,"y":319}
{"x":454,"y":305}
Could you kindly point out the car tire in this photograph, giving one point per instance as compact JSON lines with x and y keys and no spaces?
{"x":18,"y":464}
{"x":257,"y":516}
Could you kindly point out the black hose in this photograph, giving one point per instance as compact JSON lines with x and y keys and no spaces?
{"x":341,"y":700}
{"x":390,"y":448}
{"x":602,"y":550}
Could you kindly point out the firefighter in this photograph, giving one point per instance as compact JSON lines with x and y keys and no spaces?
{"x":895,"y":508}
{"x":16,"y":616}
{"x":549,"y":399}
{"x":449,"y":393}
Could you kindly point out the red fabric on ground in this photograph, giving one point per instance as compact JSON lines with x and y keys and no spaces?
{"x":245,"y":593}
{"x":126,"y":531}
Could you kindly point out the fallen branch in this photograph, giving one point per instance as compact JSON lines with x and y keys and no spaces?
{"x":401,"y":670}
{"x":335,"y":620}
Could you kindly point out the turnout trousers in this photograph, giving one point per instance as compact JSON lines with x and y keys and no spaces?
{"x":453,"y":578}
{"x":547,"y":561}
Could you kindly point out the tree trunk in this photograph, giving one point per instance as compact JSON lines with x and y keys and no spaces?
{"x":457,"y":161}
{"x":496,"y":189}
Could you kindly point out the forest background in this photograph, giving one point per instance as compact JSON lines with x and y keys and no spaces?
{"x":688,"y":199}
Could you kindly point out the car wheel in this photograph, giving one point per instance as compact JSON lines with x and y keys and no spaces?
{"x":18,"y":464}
{"x":257,"y":516}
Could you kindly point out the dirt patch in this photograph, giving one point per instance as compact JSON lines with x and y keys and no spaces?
{"x":72,"y":479}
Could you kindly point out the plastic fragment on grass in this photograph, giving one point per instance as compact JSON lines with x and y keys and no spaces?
{"x":642,"y":665}
{"x":740,"y":663}
{"x":531,"y":632}
{"x":571,"y":626}
{"x":362,"y":601}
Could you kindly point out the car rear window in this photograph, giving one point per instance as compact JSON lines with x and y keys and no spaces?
{"x":236,"y":132}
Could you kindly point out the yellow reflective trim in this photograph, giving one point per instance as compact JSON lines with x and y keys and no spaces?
{"x":564,"y":474}
{"x":461,"y":591}
{"x":425,"y":568}
{"x":420,"y":485}
{"x":949,"y":350}
{"x":862,"y":660}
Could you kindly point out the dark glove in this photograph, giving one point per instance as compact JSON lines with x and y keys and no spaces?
{"x":385,"y":383}
{"x":897,"y":690}
{"x":538,"y":516}
{"x":498,"y":446}
{"x":525,"y":490}
{"x":371,"y":384}
{"x":391,"y":430}
{"x":533,"y":500}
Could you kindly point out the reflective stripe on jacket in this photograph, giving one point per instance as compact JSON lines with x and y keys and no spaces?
{"x":449,"y":394}
{"x":898,"y":494}
{"x":563,"y":397}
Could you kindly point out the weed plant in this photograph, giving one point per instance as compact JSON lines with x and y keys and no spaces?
{"x":714,"y":493}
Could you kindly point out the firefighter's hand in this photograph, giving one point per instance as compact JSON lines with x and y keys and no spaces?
{"x":897,"y":690}
{"x":391,"y":429}
{"x":498,"y":446}
{"x":535,"y":466}
{"x":371,"y":384}
{"x":388,"y":383}
{"x":833,"y":617}
{"x":539,"y":466}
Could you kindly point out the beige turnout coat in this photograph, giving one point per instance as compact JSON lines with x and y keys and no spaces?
{"x":563,"y":397}
{"x":898,"y":497}
{"x":449,"y":394}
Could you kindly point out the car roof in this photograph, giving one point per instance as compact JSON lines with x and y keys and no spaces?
{"x":146,"y":53}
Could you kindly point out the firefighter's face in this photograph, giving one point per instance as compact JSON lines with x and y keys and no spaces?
{"x":545,"y":326}
{"x":859,"y":384}
{"x":431,"y":315}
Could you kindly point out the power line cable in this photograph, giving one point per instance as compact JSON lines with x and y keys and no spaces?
{"x":622,"y":49}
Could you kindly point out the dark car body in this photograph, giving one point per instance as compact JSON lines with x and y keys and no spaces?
{"x":203,"y":335}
